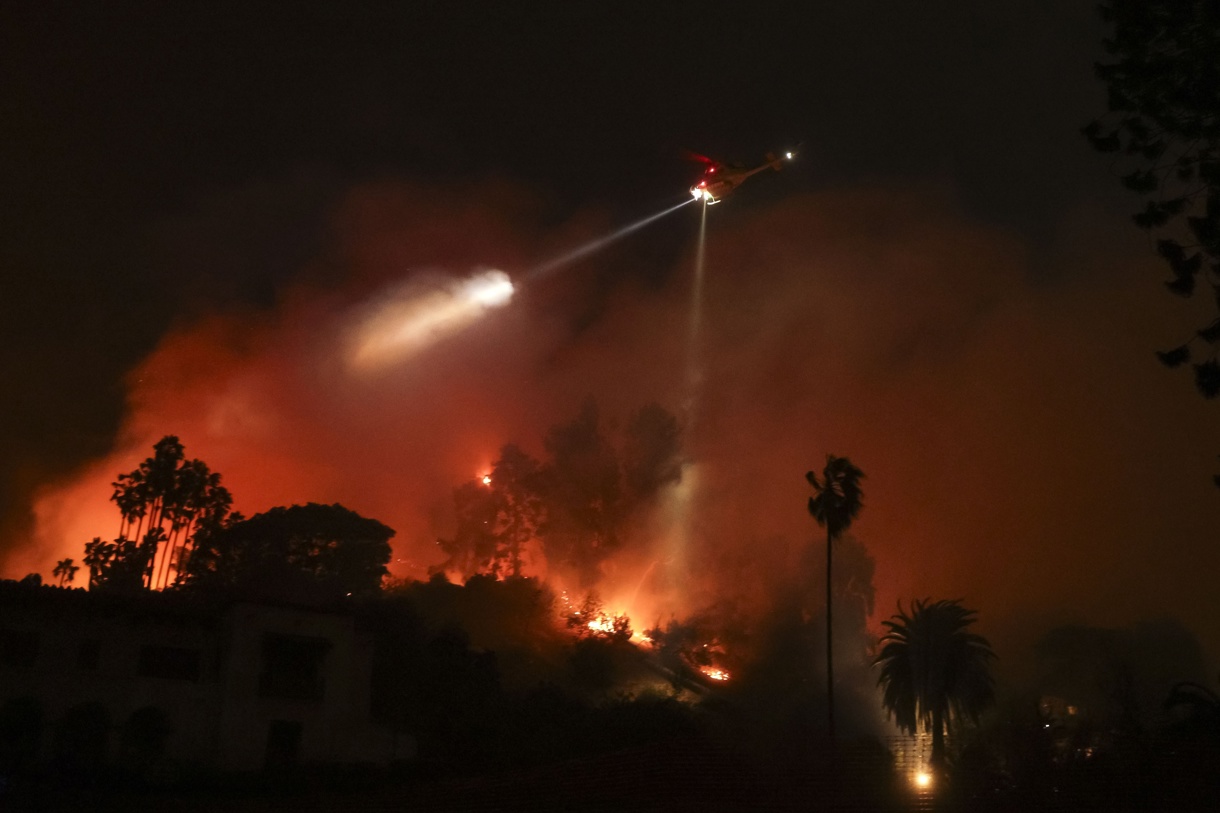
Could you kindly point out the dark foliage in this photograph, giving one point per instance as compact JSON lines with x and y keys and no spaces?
{"x":164,"y":504}
{"x":21,"y":725}
{"x":935,"y":675}
{"x":836,"y":502}
{"x":329,"y":545}
{"x":1163,"y":127}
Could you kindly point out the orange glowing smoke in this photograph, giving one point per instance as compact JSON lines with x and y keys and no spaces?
{"x":877,"y":324}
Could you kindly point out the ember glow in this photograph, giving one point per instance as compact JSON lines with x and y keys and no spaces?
{"x":714,"y":673}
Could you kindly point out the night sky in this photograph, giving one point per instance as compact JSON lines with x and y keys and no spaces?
{"x":200,"y":206}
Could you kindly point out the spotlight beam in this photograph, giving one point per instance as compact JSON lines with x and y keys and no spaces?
{"x":597,"y":245}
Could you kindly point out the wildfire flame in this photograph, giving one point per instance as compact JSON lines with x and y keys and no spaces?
{"x":601,"y":624}
{"x":714,"y":673}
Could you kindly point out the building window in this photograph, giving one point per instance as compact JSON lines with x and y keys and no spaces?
{"x":283,"y":745}
{"x":88,"y":655}
{"x":18,"y":648}
{"x":292,"y":667}
{"x":169,"y":662}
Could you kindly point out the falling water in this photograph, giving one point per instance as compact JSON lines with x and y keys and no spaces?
{"x":681,"y":496}
{"x":635,"y":594}
{"x":694,"y":368}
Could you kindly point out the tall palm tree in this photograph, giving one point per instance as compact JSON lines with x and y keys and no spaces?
{"x":65,"y":571}
{"x":935,"y":675}
{"x":837,"y":501}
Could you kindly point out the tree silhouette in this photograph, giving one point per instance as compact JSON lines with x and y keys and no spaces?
{"x":121,"y":565}
{"x":935,"y":675}
{"x":65,"y":571}
{"x":652,"y":452}
{"x":1163,"y":127}
{"x":472,"y":549}
{"x":585,"y":496}
{"x":836,"y":502}
{"x":1199,"y":706}
{"x":163,"y":503}
{"x":329,"y":545}
{"x":515,"y":487}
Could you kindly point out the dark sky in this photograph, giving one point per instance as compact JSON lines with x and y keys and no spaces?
{"x":166,"y":170}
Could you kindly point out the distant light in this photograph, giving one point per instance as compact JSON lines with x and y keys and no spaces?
{"x":923,"y":779}
{"x":788,"y":155}
{"x":491,"y":289}
{"x":486,"y":479}
{"x":415,"y":315}
{"x":696,"y":192}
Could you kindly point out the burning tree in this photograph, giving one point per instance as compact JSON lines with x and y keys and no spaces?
{"x":572,"y":506}
{"x":686,"y":648}
{"x":592,"y":620}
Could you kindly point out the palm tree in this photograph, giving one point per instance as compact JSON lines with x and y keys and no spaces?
{"x":65,"y":571}
{"x":935,"y":675}
{"x":836,"y":502}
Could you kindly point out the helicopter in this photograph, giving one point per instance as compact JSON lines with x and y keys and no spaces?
{"x":719,"y":180}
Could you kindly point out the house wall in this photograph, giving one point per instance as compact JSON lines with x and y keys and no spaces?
{"x":95,"y":648}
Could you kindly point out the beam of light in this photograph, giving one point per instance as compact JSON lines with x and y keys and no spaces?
{"x":600,"y":243}
{"x":413,"y":317}
{"x":677,"y":509}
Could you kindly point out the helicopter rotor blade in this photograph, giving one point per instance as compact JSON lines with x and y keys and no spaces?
{"x":691,"y":155}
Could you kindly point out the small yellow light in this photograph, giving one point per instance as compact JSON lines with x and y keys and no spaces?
{"x":923,"y":780}
{"x":486,"y":479}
